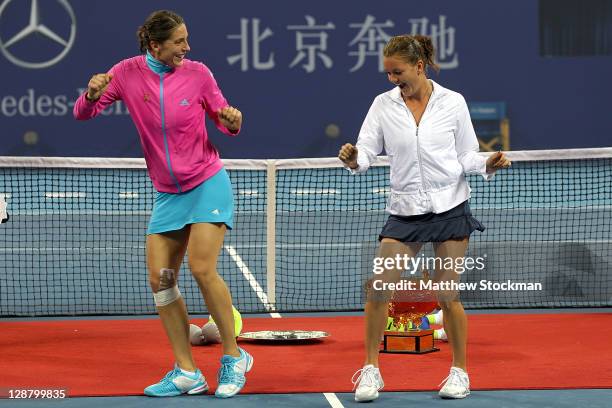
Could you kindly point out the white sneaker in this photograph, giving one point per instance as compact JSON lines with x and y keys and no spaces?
{"x":231,"y":376}
{"x":368,"y":383}
{"x":456,"y":385}
{"x":177,"y":382}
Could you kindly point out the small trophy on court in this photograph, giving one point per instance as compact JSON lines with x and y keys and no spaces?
{"x":409,"y":306}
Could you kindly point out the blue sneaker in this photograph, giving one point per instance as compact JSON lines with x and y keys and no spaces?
{"x":231,"y":374}
{"x":176,"y":383}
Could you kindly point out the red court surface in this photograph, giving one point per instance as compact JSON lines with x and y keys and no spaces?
{"x":121,"y":357}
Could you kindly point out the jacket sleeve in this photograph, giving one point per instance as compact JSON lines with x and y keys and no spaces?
{"x":85,"y":110}
{"x":213,"y":100}
{"x":466,"y":144}
{"x":370,"y":141}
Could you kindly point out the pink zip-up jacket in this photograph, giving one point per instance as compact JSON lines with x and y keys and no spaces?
{"x":168,"y":111}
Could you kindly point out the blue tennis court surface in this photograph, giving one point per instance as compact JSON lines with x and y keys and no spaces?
{"x":596,"y":398}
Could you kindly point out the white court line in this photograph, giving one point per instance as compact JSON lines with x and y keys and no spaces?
{"x":128,"y":194}
{"x":317,"y":191}
{"x":303,"y":245}
{"x":535,"y":207}
{"x":333,"y":400}
{"x":70,"y":249}
{"x":371,"y":243}
{"x":66,"y":194}
{"x":248,"y":192}
{"x":285,"y":246}
{"x":251,"y":279}
{"x":300,"y":212}
{"x":80,"y":212}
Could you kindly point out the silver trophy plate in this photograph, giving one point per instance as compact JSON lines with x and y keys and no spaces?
{"x":285,"y":335}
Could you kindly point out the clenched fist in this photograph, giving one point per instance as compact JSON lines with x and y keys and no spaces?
{"x":231,"y":118}
{"x":497,"y":161}
{"x":97,"y":85}
{"x":348,"y":155}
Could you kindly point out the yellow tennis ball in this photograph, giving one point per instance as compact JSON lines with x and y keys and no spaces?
{"x":237,"y":321}
{"x":390,"y":325}
{"x":393,"y":327}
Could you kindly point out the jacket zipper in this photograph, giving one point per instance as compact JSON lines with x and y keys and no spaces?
{"x":417,"y":139}
{"x":163,"y":125}
{"x":419,"y":155}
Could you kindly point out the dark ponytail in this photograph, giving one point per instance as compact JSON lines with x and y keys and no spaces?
{"x":158,"y":27}
{"x":412,"y":48}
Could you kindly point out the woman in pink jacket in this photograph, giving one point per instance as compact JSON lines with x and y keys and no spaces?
{"x":167,"y":96}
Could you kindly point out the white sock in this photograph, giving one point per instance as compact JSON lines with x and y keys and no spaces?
{"x":461,"y":370}
{"x":190,"y":373}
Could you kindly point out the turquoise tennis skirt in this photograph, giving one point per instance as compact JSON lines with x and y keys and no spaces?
{"x":211,"y":202}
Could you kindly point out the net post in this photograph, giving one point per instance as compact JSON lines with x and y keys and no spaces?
{"x":271,"y":232}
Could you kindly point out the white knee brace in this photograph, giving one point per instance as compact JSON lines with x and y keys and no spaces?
{"x":165,"y":297}
{"x":168,"y":291}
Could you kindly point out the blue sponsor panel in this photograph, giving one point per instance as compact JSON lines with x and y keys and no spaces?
{"x":303,"y":73}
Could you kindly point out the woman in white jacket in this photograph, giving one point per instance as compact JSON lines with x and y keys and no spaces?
{"x":428,"y":135}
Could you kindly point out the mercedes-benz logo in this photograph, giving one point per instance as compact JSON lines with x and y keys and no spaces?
{"x":35,"y":26}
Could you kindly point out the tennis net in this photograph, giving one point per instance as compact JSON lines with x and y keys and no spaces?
{"x":304,"y":237}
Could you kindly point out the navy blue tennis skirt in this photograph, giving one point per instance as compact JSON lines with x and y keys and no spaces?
{"x":455,"y":223}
